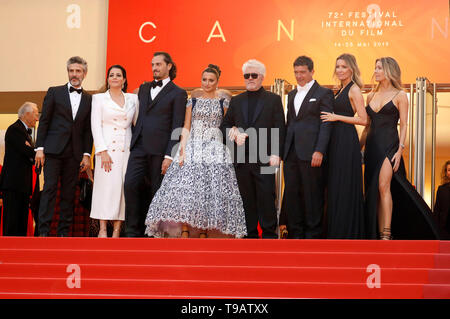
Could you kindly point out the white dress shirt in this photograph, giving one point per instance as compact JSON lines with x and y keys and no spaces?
{"x":75,"y":99}
{"x":154,"y":91}
{"x":300,"y":96}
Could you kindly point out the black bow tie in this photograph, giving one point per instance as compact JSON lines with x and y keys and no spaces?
{"x":74,"y":89}
{"x":29,"y":131}
{"x":156,"y":83}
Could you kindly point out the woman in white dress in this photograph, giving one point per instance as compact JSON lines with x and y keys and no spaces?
{"x":112,"y":115}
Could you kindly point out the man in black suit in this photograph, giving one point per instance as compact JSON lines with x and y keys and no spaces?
{"x":64,"y":145}
{"x":306,"y":144}
{"x":162,"y":107}
{"x":17,"y":173}
{"x":255,"y":124}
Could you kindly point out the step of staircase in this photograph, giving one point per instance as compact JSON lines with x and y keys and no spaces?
{"x":222,"y":268}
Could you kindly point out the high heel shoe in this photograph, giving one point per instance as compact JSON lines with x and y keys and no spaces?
{"x":386,"y":234}
{"x":102,"y":233}
{"x":116,"y":233}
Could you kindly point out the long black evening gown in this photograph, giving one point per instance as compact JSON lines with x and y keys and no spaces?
{"x":345,"y":207}
{"x":411,"y":216}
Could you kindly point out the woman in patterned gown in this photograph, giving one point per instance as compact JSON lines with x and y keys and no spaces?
{"x":199,"y":193}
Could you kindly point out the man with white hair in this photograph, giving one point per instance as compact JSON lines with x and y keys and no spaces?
{"x":17,"y":173}
{"x":255,"y":124}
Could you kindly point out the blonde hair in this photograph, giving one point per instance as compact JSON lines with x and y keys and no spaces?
{"x":350,"y":60}
{"x":391,"y":71}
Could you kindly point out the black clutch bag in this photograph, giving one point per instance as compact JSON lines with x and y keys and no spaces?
{"x":86,"y":193}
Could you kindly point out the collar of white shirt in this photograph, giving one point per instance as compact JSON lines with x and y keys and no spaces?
{"x":69,"y":85}
{"x":24,"y":124}
{"x":164,"y":82}
{"x":306,"y":87}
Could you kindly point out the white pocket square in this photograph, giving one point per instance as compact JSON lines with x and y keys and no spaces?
{"x":312,"y":100}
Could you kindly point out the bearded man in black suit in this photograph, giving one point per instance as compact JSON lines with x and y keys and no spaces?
{"x":64,"y":145}
{"x":162,"y":107}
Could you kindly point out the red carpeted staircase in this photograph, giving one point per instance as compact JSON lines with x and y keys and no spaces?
{"x":438,"y":285}
{"x":222,"y":268}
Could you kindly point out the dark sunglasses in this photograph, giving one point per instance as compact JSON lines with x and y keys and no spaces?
{"x":252,"y":75}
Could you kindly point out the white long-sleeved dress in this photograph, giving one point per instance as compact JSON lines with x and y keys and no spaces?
{"x":111,"y":130}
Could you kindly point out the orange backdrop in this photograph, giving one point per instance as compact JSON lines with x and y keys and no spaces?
{"x":276,"y":32}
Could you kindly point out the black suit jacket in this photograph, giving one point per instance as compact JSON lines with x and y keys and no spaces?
{"x":57,"y":126}
{"x":158,"y":118}
{"x":17,"y":171}
{"x":306,"y":129}
{"x":268,"y":114}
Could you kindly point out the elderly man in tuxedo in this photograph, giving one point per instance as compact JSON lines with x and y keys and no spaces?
{"x":304,"y":151}
{"x":17,"y":173}
{"x":64,"y":145}
{"x":255,"y":124}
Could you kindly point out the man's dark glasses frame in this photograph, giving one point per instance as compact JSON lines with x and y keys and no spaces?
{"x":252,"y":75}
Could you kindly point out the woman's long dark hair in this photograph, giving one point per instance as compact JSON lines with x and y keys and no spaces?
{"x":124,"y":74}
{"x":212,"y":68}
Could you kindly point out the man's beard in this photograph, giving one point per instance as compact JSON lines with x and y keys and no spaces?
{"x":77,"y":81}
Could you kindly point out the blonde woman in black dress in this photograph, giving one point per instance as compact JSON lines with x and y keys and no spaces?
{"x":393,"y":207}
{"x":345,"y":205}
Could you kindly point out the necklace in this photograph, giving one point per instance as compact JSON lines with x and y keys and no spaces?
{"x":342,"y":89}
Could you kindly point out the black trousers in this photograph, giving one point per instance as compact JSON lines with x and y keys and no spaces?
{"x":303,"y":197}
{"x":15,"y":213}
{"x":66,"y":169}
{"x":142,"y":180}
{"x":258,"y":196}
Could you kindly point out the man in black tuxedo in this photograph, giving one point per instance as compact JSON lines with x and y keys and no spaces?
{"x":162,"y":107}
{"x":255,"y":124}
{"x":64,"y":145}
{"x":306,"y":144}
{"x":17,"y":173}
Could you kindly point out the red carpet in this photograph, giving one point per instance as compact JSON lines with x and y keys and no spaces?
{"x":222,"y":268}
{"x":439,"y":278}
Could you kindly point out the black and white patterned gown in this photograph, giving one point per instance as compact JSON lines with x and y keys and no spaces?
{"x":203,"y":192}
